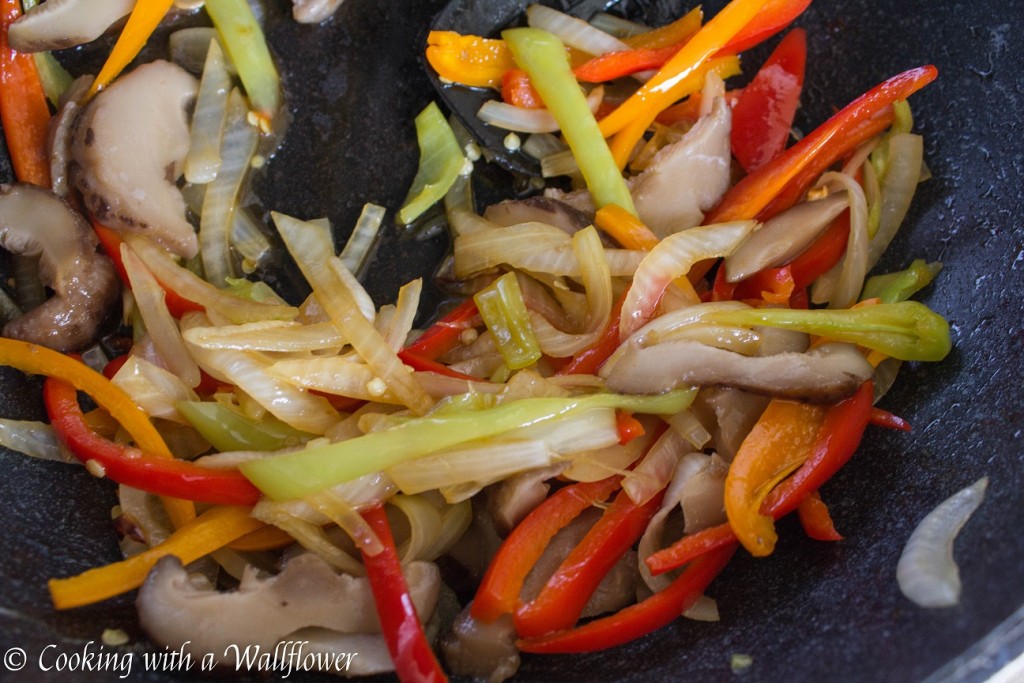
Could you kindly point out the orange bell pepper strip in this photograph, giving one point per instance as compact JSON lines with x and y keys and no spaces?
{"x":836,"y":443}
{"x":816,"y":520}
{"x":144,"y":19}
{"x":780,"y":442}
{"x":468,"y":60}
{"x":641,"y":618}
{"x":211,"y":531}
{"x":23,"y":108}
{"x":561,"y":601}
{"x":38,"y":360}
{"x":763,"y":116}
{"x":664,"y":87}
{"x":613,"y":65}
{"x":498,"y":592}
{"x":517,"y":90}
{"x":828,"y":142}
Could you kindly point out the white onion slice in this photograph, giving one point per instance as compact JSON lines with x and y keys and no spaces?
{"x":522,"y":120}
{"x":927,"y":573}
{"x":572,"y":31}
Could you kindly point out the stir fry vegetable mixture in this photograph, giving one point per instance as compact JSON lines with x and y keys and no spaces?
{"x":672,"y":346}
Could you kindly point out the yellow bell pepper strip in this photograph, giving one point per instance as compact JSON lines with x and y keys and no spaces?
{"x":907,"y":330}
{"x":265,"y":538}
{"x":664,"y":87}
{"x":144,"y":19}
{"x":134,"y":467}
{"x":211,"y":531}
{"x":399,"y":623}
{"x":246,"y":45}
{"x":780,"y":442}
{"x":301,"y":473}
{"x":543,"y":57}
{"x":441,"y":162}
{"x":809,"y":157}
{"x":468,"y":60}
{"x":499,"y":590}
{"x":679,"y":31}
{"x":837,"y":441}
{"x":23,"y":109}
{"x":561,"y":601}
{"x":816,"y":520}
{"x":38,"y":360}
{"x":641,"y":618}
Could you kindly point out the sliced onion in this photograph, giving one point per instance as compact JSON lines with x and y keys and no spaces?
{"x":841,"y":286}
{"x":654,"y":472}
{"x":222,"y":196}
{"x":672,"y":258}
{"x":522,"y":120}
{"x":188,"y":47}
{"x":359,"y":248}
{"x":203,"y":159}
{"x":572,"y":31}
{"x":617,"y":26}
{"x":153,"y":389}
{"x":926,"y":572}
{"x":396,"y":332}
{"x":151,"y":303}
{"x":903,"y":173}
{"x":34,"y":439}
{"x":268,"y":335}
{"x":480,"y":465}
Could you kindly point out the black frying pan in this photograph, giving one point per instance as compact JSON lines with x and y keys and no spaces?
{"x":811,"y":612}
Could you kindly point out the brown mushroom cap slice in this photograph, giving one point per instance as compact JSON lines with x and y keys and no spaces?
{"x":36,"y":222}
{"x":538,"y":209}
{"x":307,"y":593}
{"x":127,"y":150}
{"x":59,"y":24}
{"x":826,"y":374}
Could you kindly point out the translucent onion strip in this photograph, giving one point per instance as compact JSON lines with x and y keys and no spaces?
{"x":672,"y":258}
{"x":222,"y":195}
{"x":267,"y":335}
{"x":480,"y":464}
{"x":926,"y":572}
{"x":151,"y":304}
{"x":192,"y":287}
{"x":841,"y":285}
{"x":597,"y":282}
{"x":203,"y":159}
{"x":396,"y":332}
{"x":309,"y":535}
{"x":359,"y":248}
{"x":654,"y":472}
{"x":34,"y":439}
{"x":153,"y":389}
{"x":903,"y":172}
{"x":572,"y":31}
{"x":188,"y":47}
{"x":521,"y":120}
{"x":326,"y":275}
{"x":334,"y":375}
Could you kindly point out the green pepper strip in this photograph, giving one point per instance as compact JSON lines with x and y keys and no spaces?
{"x":228,"y":430}
{"x":895,"y":287}
{"x":247,"y":46}
{"x":299,"y":474}
{"x":441,"y":162}
{"x":504,"y":312}
{"x":543,"y":57}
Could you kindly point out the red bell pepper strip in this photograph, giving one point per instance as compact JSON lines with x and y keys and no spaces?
{"x":498,"y":593}
{"x":838,"y":440}
{"x":763,"y":115}
{"x":628,"y":427}
{"x":831,"y":140}
{"x":613,"y":65}
{"x":111,"y":243}
{"x":23,"y":109}
{"x":422,"y":364}
{"x":517,"y":90}
{"x":401,"y":626}
{"x":560,"y":603}
{"x":640,"y":619}
{"x":589,"y":360}
{"x":135,"y":467}
{"x":883,"y":418}
{"x":773,"y":17}
{"x":444,"y":335}
{"x":816,"y":520}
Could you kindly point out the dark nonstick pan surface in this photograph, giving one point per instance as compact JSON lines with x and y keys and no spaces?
{"x":812,"y":611}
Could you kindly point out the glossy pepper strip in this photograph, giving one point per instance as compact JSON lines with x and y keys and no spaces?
{"x":640,"y":619}
{"x":561,"y":601}
{"x":135,"y":467}
{"x":445,"y":334}
{"x":675,"y":33}
{"x":144,"y":19}
{"x":773,"y":17}
{"x":211,"y":531}
{"x":816,"y":520}
{"x":23,"y":109}
{"x":499,"y":590}
{"x":468,"y":60}
{"x":837,"y":442}
{"x":589,"y":360}
{"x":829,"y":141}
{"x":401,"y":626}
{"x":779,"y":442}
{"x":542,"y":56}
{"x":38,"y":360}
{"x":246,"y":45}
{"x":763,"y":115}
